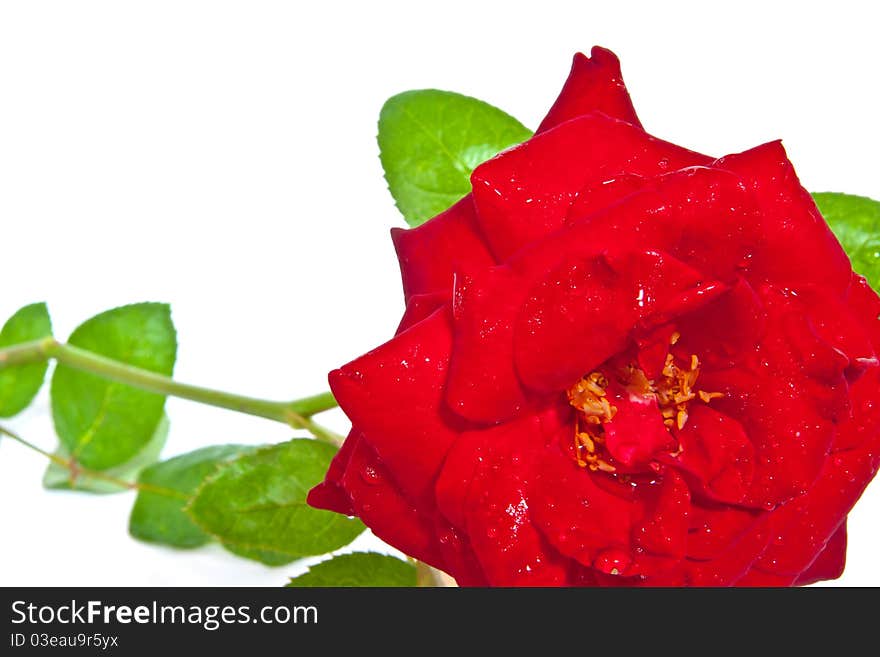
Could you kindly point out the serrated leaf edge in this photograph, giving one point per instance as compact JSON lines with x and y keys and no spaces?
{"x":209,"y":479}
{"x":334,"y":555}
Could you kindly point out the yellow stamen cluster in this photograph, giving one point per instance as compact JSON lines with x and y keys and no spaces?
{"x":588,"y":397}
{"x":673,"y":391}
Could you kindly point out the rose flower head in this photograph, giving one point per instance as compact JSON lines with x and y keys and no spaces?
{"x":621,"y":363}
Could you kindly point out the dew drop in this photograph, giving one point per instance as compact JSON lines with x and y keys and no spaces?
{"x":370,"y":476}
{"x":612,"y":561}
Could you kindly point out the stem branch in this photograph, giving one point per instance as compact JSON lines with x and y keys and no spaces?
{"x":426,"y":576}
{"x":76,"y":470}
{"x":296,"y":413}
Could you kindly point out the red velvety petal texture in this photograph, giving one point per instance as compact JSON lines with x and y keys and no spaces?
{"x":430,"y":254}
{"x":594,"y":84}
{"x":525,"y":193}
{"x":407,"y":429}
{"x":830,"y":562}
{"x":622,"y":363}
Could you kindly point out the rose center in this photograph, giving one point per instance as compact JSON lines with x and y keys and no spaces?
{"x":597,"y":400}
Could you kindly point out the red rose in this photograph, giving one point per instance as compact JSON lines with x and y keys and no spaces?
{"x":621,"y":362}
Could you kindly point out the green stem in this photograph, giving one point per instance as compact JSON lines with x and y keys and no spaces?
{"x":76,"y":470}
{"x":426,"y":576}
{"x":296,"y":413}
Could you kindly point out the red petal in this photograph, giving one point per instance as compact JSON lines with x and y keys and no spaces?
{"x":430,"y":254}
{"x":579,"y":518}
{"x":458,"y":555}
{"x":663,"y":530}
{"x":716,"y":455}
{"x":673,"y":214}
{"x":582,"y":313}
{"x":498,"y":510}
{"x":796,"y":239}
{"x":788,"y":395}
{"x":715,"y":528}
{"x":394,"y":396}
{"x":483,"y":385}
{"x":636,"y":433}
{"x":720,"y":332}
{"x":379,"y":504}
{"x":732,"y":564}
{"x":845,"y":331}
{"x":486,"y":302}
{"x":863,"y":428}
{"x":594,"y":84}
{"x":830,"y":562}
{"x":760,"y":578}
{"x":598,"y":196}
{"x":803,"y":526}
{"x":525,"y":193}
{"x":422,"y":306}
{"x":653,"y":347}
{"x":454,"y":482}
{"x":330,"y":493}
{"x":866,"y":305}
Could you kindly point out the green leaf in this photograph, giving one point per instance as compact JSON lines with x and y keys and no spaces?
{"x":21,"y":383}
{"x":166,"y":487}
{"x":58,"y":478}
{"x":358,"y":569}
{"x":429,"y":143}
{"x":855,"y":221}
{"x":103,"y":423}
{"x":266,"y":557}
{"x":256,"y":504}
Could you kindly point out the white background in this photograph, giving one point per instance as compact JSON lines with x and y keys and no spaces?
{"x":221,"y":156}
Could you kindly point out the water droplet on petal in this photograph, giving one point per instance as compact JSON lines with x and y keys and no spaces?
{"x":370,"y":476}
{"x":612,"y":561}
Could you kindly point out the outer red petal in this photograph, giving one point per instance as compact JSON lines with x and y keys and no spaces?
{"x":430,"y":254}
{"x":394,"y":396}
{"x":594,"y":84}
{"x":715,"y":527}
{"x":844,"y":330}
{"x":579,"y":518}
{"x":458,"y":555}
{"x":797,"y":247}
{"x":789,"y":395}
{"x":330,"y":494}
{"x":380,"y":505}
{"x":454,"y":483}
{"x":422,"y":306}
{"x":759,"y":578}
{"x":865,"y":303}
{"x":598,"y":196}
{"x":483,"y":385}
{"x":732,"y":564}
{"x":830,"y":562}
{"x":511,"y":551}
{"x":863,"y":428}
{"x":466,"y":454}
{"x":524,"y":193}
{"x":802,"y":527}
